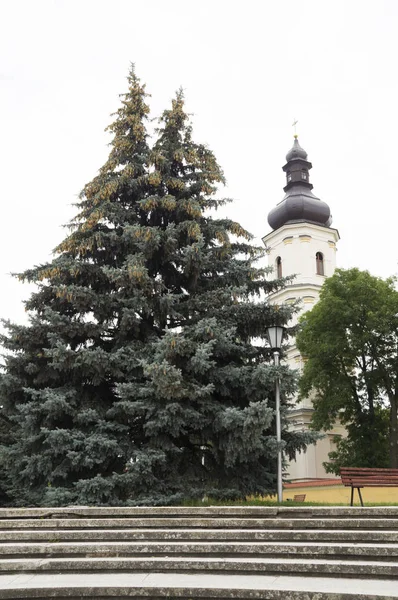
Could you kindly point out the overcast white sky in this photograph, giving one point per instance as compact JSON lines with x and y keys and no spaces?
{"x":248,"y":69}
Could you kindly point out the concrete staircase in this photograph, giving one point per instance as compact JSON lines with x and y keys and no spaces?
{"x":292,"y":553}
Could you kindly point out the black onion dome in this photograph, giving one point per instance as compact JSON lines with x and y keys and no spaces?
{"x":299,"y":203}
{"x":296,"y":151}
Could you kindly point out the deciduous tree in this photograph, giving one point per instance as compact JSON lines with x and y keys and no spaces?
{"x":350,"y":341}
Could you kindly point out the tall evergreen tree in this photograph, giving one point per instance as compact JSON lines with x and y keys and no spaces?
{"x":142,"y":376}
{"x":84,"y":332}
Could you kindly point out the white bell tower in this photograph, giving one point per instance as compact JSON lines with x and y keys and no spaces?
{"x":302,"y":244}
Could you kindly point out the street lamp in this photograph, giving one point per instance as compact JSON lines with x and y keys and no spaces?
{"x":275,"y":335}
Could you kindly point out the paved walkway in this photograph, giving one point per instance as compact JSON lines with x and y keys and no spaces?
{"x":127,"y":581}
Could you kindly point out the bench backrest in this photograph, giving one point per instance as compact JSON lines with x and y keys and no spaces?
{"x":361,"y":477}
{"x":299,"y":498}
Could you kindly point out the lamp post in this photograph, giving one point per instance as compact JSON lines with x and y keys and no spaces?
{"x":275,"y":335}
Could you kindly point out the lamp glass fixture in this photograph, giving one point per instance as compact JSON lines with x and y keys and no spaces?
{"x":275,"y":335}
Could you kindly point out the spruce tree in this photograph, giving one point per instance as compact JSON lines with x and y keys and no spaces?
{"x":142,"y":376}
{"x":84,"y":335}
{"x":207,"y":404}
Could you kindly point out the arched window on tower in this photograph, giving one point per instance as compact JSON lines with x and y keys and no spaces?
{"x":279,"y":267}
{"x":320,"y":269}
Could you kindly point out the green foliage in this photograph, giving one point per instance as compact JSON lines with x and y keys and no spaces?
{"x":6,"y":439}
{"x":366,"y":444}
{"x":142,"y":377}
{"x":350,"y":340}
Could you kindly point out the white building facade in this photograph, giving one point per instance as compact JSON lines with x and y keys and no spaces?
{"x":302,"y":243}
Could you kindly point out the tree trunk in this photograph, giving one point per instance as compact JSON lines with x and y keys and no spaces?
{"x":394,"y":432}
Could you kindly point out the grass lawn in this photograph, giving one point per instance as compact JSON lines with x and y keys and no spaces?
{"x":268,"y":502}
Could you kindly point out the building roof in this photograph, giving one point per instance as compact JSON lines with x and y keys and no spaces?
{"x":299,"y":203}
{"x":296,"y":151}
{"x":313,"y":483}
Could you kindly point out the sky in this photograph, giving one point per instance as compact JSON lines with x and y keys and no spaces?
{"x":248,"y":69}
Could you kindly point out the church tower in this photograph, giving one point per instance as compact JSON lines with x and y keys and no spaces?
{"x":302,"y":243}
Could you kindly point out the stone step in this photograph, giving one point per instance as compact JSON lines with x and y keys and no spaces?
{"x":362,"y":552}
{"x":244,"y":565}
{"x":322,"y":535}
{"x":271,"y":545}
{"x":193,"y":586}
{"x":381,"y":512}
{"x":202,"y":523}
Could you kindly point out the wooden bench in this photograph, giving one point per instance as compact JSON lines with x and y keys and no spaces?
{"x":297,"y":498}
{"x":359,"y":478}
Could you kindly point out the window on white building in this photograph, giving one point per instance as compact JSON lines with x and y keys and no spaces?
{"x":320,"y":269}
{"x":279,"y":267}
